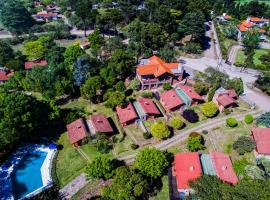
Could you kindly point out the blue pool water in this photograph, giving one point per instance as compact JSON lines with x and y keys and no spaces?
{"x":27,"y":177}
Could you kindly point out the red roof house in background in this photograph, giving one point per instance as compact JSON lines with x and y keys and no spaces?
{"x":223,"y":167}
{"x":186,"y":167}
{"x":170,"y":100}
{"x":77,"y":132}
{"x":253,"y":22}
{"x":225,"y":98}
{"x":224,"y":101}
{"x":153,"y":72}
{"x":36,"y":63}
{"x":148,"y":107}
{"x":262,"y":138}
{"x":191,"y":93}
{"x":99,"y":123}
{"x":127,"y":114}
{"x":5,"y":74}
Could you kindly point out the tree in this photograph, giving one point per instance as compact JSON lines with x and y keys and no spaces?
{"x":264,"y":120}
{"x":191,"y":116}
{"x":114,"y":98}
{"x":236,"y":84}
{"x":151,"y":162}
{"x":90,"y":88}
{"x":34,"y":49}
{"x":160,"y":130}
{"x":201,"y":87}
{"x":153,"y":36}
{"x":201,"y":5}
{"x":249,"y":119}
{"x":127,"y":184}
{"x":81,"y":70}
{"x":251,"y":41}
{"x":195,"y":143}
{"x":15,"y":17}
{"x":72,"y":53}
{"x":262,"y":82}
{"x":167,"y":53}
{"x":265,"y":164}
{"x":100,"y":167}
{"x":231,"y":122}
{"x":167,"y":86}
{"x":176,"y":122}
{"x":96,"y":40}
{"x":120,"y":86}
{"x":209,"y":109}
{"x":6,"y":53}
{"x":243,"y":144}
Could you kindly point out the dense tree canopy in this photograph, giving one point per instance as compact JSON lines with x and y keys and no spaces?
{"x":160,"y":130}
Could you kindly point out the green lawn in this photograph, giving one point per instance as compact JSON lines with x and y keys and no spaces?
{"x":163,"y":194}
{"x":240,"y":57}
{"x":69,"y":162}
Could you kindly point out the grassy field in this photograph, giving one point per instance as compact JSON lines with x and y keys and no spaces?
{"x":163,"y":194}
{"x":240,"y":58}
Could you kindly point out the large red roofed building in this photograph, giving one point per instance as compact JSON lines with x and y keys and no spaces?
{"x":148,"y":108}
{"x":5,"y":74}
{"x":36,"y":63}
{"x":127,"y":114}
{"x":77,"y":132}
{"x":99,"y":123}
{"x":154,"y":72}
{"x":170,"y":100}
{"x":262,"y":138}
{"x":223,"y":167}
{"x":253,"y":23}
{"x":186,"y":167}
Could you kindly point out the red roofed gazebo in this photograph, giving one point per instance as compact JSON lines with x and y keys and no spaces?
{"x":77,"y":132}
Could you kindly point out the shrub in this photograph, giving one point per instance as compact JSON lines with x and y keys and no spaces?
{"x":201,"y":87}
{"x":195,"y":142}
{"x":243,"y":145}
{"x":191,"y":116}
{"x":264,"y":120}
{"x":147,"y":135}
{"x":134,"y":146}
{"x":239,"y":166}
{"x":205,"y":132}
{"x":227,"y":111}
{"x":167,"y":86}
{"x":176,"y":122}
{"x":160,"y":130}
{"x":231,"y":122}
{"x":249,"y":119}
{"x":209,"y":109}
{"x":147,"y":94}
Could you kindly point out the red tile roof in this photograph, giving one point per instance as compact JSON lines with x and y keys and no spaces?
{"x":225,"y":100}
{"x":262,"y":139}
{"x":76,"y":131}
{"x":126,"y":113}
{"x":223,"y":167}
{"x":101,"y":123}
{"x":190,"y":92}
{"x":148,"y":106}
{"x":187,"y":167}
{"x":5,"y":74}
{"x":232,"y":93}
{"x":170,"y":100}
{"x":257,"y":19}
{"x":157,"y":67}
{"x":31,"y":64}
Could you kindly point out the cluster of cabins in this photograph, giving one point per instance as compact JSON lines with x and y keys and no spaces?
{"x":51,"y":12}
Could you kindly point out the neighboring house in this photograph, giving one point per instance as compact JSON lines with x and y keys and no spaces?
{"x":188,"y":95}
{"x":99,"y":124}
{"x":190,"y":166}
{"x":154,"y":72}
{"x":170,"y":100}
{"x":53,"y":8}
{"x":35,"y":63}
{"x":77,"y":132}
{"x":262,"y":138}
{"x":5,"y":74}
{"x":225,"y":98}
{"x":127,"y":114}
{"x":45,"y":16}
{"x":146,"y":108}
{"x":224,"y":17}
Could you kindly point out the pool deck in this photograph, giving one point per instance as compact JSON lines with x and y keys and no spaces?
{"x":10,"y":166}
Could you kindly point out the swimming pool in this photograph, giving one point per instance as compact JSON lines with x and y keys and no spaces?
{"x":27,"y":178}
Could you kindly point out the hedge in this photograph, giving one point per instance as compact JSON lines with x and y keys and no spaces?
{"x":231,"y":122}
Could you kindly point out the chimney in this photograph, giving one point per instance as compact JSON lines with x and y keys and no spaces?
{"x":224,"y":168}
{"x":191,"y":168}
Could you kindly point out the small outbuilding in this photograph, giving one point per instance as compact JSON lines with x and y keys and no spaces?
{"x":77,"y":131}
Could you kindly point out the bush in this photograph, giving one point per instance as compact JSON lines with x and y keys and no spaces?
{"x":205,"y":132}
{"x":160,"y":130}
{"x":264,"y":120}
{"x":231,"y":122}
{"x":176,"y":122}
{"x":227,"y":111}
{"x":201,"y":87}
{"x":147,"y":94}
{"x":243,"y":145}
{"x":147,"y":135}
{"x":249,"y":119}
{"x":195,"y":142}
{"x":209,"y":109}
{"x":191,"y":116}
{"x":167,"y":86}
{"x":134,"y":146}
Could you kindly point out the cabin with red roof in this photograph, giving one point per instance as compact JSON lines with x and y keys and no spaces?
{"x":225,"y":98}
{"x":261,"y":137}
{"x":45,"y":16}
{"x":99,"y":124}
{"x":189,"y":95}
{"x":77,"y":131}
{"x":29,"y":65}
{"x":146,"y":108}
{"x":170,"y":100}
{"x":126,"y":114}
{"x":154,"y":72}
{"x":5,"y":74}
